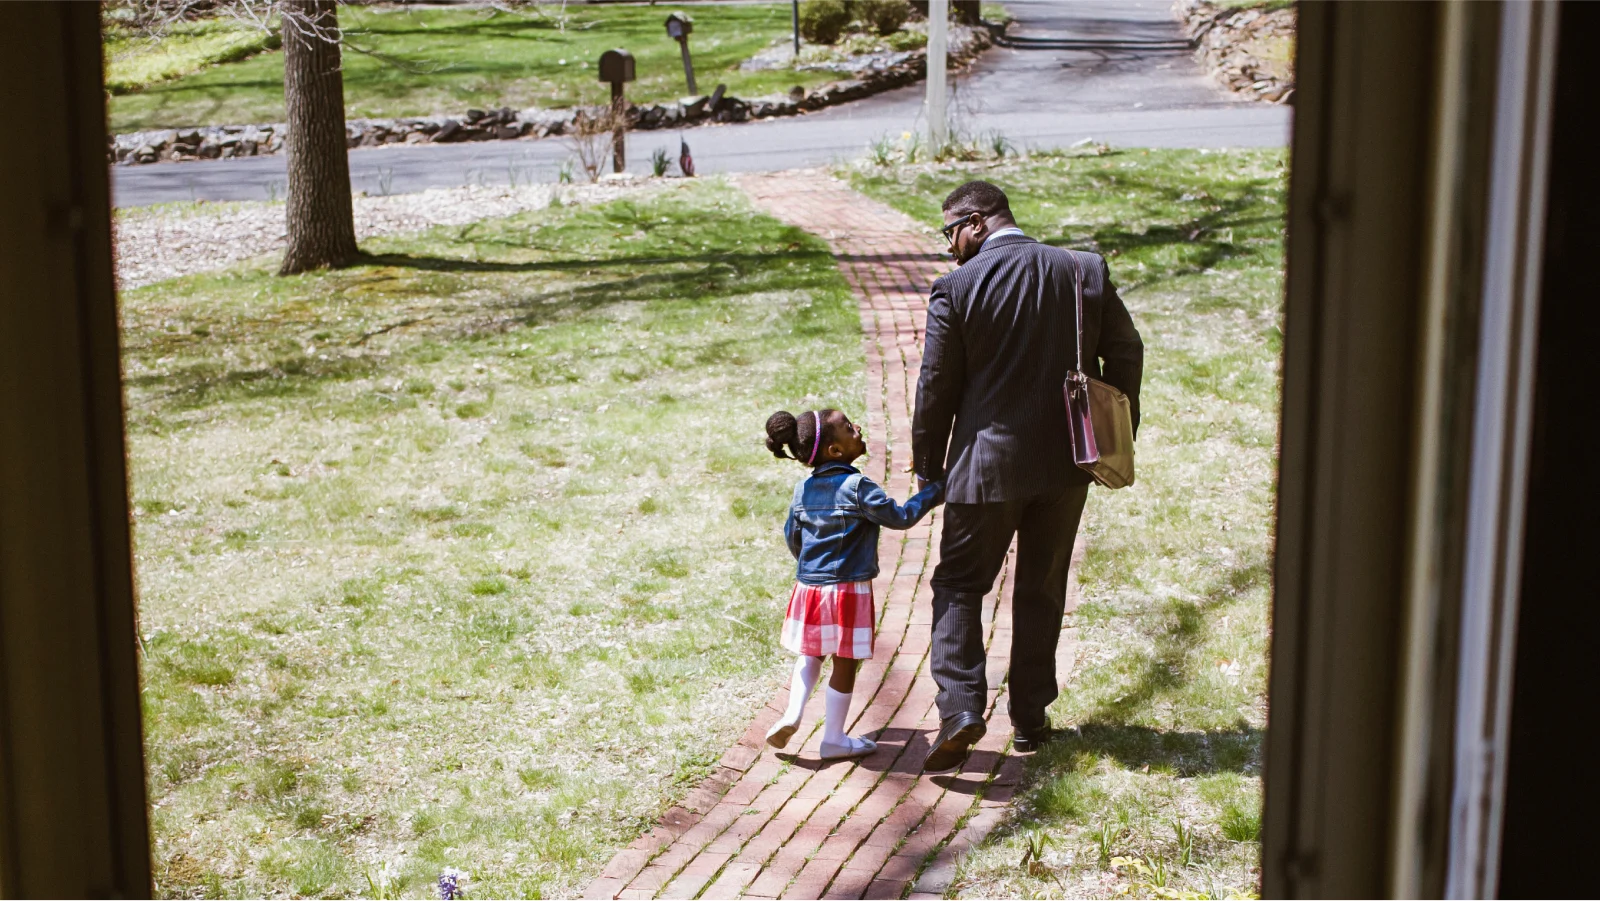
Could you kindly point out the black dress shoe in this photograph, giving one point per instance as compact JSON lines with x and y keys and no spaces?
{"x":956,"y":737}
{"x":1026,"y":741}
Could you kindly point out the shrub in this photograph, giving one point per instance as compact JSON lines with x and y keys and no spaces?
{"x":883,"y":16}
{"x":823,"y":21}
{"x":591,"y":141}
{"x":907,"y":40}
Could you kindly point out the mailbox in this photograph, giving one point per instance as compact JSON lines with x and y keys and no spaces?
{"x":616,"y":66}
{"x":679,"y":26}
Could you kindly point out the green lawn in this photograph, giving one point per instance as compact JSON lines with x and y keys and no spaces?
{"x":432,"y":61}
{"x":469,"y":555}
{"x":135,"y":62}
{"x":1154,"y":787}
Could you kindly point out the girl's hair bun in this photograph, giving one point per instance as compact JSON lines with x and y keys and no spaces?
{"x":798,"y":434}
{"x":783,"y":431}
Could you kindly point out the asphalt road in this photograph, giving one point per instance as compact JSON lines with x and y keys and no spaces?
{"x":1035,"y":96}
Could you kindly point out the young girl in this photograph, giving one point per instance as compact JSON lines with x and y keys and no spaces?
{"x":833,"y":533}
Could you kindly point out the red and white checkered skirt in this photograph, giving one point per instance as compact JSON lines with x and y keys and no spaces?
{"x":830,"y":620}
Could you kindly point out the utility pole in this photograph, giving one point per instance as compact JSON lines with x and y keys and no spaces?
{"x":938,"y":44}
{"x":795,"y":17}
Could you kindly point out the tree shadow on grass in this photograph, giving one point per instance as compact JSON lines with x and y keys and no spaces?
{"x":290,"y":375}
{"x":740,"y":262}
{"x":1207,"y":253}
{"x":1180,"y":753}
{"x":1168,"y":670}
{"x":1200,"y":236}
{"x":688,"y":278}
{"x":502,"y":28}
{"x":199,"y":103}
{"x":692,"y":278}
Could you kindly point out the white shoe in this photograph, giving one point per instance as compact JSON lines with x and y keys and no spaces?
{"x":780,"y":733}
{"x":848,"y":749}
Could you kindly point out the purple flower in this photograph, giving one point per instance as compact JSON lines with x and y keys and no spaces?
{"x":452,"y":884}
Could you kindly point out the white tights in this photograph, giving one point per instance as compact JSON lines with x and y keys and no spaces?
{"x":807,"y":670}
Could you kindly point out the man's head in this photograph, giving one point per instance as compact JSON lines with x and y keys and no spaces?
{"x":972,"y":213}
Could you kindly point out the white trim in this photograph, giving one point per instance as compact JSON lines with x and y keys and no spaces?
{"x":1502,"y":423}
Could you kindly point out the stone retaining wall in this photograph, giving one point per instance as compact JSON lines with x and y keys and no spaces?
{"x":879,"y":73}
{"x":1223,"y":37}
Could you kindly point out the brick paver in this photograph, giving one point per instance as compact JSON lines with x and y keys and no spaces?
{"x":770,"y":824}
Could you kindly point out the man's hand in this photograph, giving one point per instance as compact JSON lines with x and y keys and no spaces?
{"x":922,"y":483}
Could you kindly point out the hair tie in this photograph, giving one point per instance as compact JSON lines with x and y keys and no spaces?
{"x":816,"y":440}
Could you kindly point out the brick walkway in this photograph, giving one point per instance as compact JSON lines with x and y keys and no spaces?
{"x":769,"y":824}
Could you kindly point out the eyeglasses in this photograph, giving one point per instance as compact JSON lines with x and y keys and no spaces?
{"x":949,"y":231}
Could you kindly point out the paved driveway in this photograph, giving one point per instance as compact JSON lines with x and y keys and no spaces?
{"x":1034,"y":93}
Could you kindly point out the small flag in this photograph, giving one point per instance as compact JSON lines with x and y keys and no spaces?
{"x":685,"y":161}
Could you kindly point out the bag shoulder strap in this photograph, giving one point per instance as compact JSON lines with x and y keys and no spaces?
{"x":1077,"y":291}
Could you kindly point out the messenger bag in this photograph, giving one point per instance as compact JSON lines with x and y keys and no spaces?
{"x":1099,"y":416}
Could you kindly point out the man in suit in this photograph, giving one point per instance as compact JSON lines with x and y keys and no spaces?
{"x":991,"y":424}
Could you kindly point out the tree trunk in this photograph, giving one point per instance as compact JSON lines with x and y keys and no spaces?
{"x":321,"y":223}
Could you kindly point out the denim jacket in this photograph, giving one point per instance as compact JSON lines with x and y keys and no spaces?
{"x":833,"y":523}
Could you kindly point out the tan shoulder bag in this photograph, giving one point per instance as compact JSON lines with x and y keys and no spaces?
{"x":1100,"y":418}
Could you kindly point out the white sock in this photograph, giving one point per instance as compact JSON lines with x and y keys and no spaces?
{"x":807,"y":670}
{"x":838,"y":708}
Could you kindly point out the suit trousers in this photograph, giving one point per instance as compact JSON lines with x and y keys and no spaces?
{"x":971,"y":552}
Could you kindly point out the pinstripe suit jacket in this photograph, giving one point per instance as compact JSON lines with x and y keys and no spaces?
{"x":990,"y":418}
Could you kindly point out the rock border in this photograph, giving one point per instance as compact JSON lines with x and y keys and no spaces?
{"x":884,"y":72}
{"x":1220,"y":34}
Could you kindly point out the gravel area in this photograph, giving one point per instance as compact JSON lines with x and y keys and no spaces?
{"x":161,"y":242}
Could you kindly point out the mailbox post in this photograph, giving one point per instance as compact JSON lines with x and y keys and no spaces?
{"x":616,"y":66}
{"x":678,"y":28}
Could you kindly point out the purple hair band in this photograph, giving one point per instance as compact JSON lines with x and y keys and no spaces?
{"x":816,"y":440}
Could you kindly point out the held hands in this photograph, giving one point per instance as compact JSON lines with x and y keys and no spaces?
{"x":922,"y":483}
